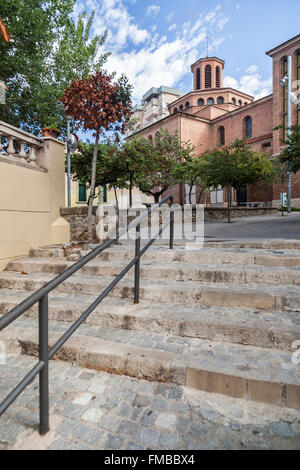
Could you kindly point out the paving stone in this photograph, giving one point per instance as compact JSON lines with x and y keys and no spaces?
{"x":166,"y":420}
{"x":149,"y":417}
{"x":134,"y":446}
{"x":60,"y":444}
{"x":141,"y":401}
{"x":210,"y":415}
{"x":168,"y":440}
{"x":93,"y":415}
{"x":128,"y":428}
{"x":83,"y":399}
{"x":97,"y":388}
{"x":281,"y":429}
{"x":147,"y":436}
{"x":66,"y":427}
{"x":159,"y":404}
{"x":114,"y":442}
{"x":110,"y":422}
{"x":183,"y":424}
{"x":175,"y":393}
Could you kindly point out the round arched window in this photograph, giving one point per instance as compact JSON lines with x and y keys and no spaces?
{"x":201,"y":102}
{"x":181,"y":107}
{"x":220,"y":100}
{"x":210,"y":101}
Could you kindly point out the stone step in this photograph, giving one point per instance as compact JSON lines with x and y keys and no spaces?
{"x":177,"y":271}
{"x":235,"y":325}
{"x":247,"y":372}
{"x":215,"y":256}
{"x":168,"y":292}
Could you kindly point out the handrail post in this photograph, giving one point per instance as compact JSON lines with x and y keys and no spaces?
{"x":44,"y":373}
{"x":137,"y":265}
{"x":171,"y":243}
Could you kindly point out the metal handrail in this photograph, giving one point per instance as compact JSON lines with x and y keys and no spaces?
{"x":41,"y":296}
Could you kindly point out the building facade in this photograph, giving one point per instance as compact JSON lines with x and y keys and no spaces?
{"x":211,"y":115}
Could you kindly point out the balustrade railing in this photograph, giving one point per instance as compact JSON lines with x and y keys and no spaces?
{"x":21,"y":147}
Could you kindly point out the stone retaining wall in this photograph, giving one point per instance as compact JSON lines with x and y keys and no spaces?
{"x":78,"y":218}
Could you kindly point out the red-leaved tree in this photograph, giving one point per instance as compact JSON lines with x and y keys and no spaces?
{"x":98,"y":104}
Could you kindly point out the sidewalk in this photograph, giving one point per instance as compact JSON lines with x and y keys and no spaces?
{"x":96,"y":410}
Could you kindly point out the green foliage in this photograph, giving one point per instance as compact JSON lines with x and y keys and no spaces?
{"x":238,"y":165}
{"x":47,"y":51}
{"x":290,"y":154}
{"x":158,"y":161}
{"x":193,"y":171}
{"x":107,"y":170}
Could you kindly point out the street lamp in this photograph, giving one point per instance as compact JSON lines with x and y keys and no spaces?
{"x":68,"y":118}
{"x":287,"y":81}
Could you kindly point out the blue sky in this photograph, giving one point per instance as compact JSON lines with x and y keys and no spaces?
{"x":155,"y":42}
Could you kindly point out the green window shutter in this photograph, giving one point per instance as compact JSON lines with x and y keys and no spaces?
{"x":82,"y":193}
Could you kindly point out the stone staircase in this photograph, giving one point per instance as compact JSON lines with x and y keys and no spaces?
{"x":220,"y":319}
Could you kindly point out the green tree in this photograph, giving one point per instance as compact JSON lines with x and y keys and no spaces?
{"x":192,"y":171}
{"x":237,"y":165}
{"x":158,"y":163}
{"x":47,"y":51}
{"x":290,"y":154}
{"x":108,"y":170}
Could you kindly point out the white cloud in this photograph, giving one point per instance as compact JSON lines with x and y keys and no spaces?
{"x":153,"y":10}
{"x":251,"y":83}
{"x":170,"y":16}
{"x":172,"y":27}
{"x":147,"y":57}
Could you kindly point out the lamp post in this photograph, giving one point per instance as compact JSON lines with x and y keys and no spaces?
{"x":68,"y":160}
{"x":287,"y":81}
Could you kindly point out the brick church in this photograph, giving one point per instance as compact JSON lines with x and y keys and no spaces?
{"x":211,"y":115}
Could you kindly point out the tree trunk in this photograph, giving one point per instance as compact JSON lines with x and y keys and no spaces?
{"x":92,"y":190}
{"x":156,"y":197}
{"x":190,"y":194}
{"x":229,"y":201}
{"x":116,"y":198}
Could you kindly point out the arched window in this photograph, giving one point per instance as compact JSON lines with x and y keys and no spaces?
{"x":220,"y":100}
{"x":245,"y":104}
{"x":201,"y":102}
{"x":210,"y":101}
{"x":181,"y":107}
{"x":284,"y":73}
{"x":150,"y":138}
{"x":248,"y":127}
{"x":208,"y":76}
{"x":222,"y":135}
{"x":218,"y":77}
{"x":240,"y":103}
{"x":234,"y":100}
{"x":175,"y":110}
{"x":198,"y":79}
{"x":187,"y":105}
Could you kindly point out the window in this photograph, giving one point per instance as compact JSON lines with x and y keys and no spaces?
{"x":248,"y":127}
{"x":198,"y":79}
{"x":181,"y":107}
{"x":81,"y":192}
{"x":240,"y":103}
{"x":220,"y":100}
{"x":218,"y":77}
{"x":234,"y":100}
{"x":150,"y":138}
{"x":208,"y":76}
{"x":284,"y":73}
{"x":187,"y":105}
{"x":222,"y":135}
{"x":298,"y":78}
{"x":210,"y":101}
{"x":245,"y":104}
{"x":201,"y":102}
{"x":175,"y":110}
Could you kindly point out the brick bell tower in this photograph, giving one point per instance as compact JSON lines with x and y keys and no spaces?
{"x":208,"y":73}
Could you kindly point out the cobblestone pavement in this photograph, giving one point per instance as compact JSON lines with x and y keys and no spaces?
{"x":97,"y":410}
